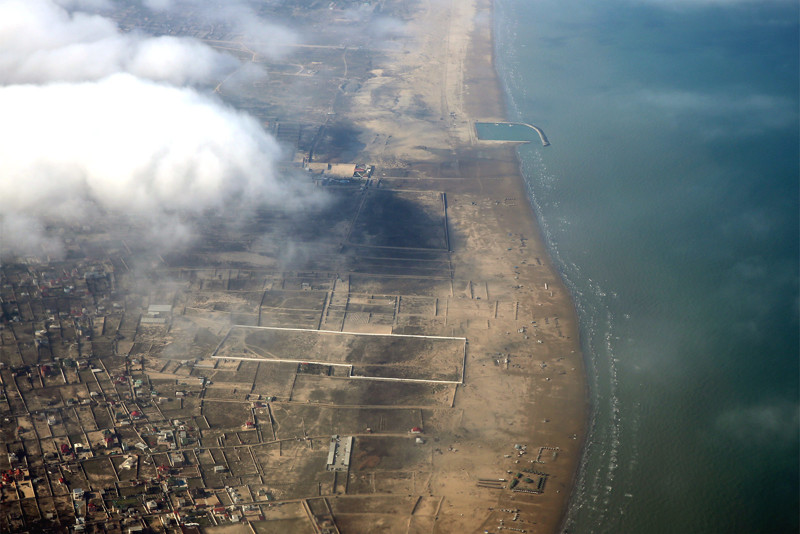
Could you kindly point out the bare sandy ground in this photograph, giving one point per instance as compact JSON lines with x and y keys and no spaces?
{"x":525,"y":379}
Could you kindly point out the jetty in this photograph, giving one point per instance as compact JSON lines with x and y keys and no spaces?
{"x":520,"y":139}
{"x":538,"y":130}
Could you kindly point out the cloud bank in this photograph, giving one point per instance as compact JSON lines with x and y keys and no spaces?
{"x":97,"y":121}
{"x":772,"y":424}
{"x":41,"y":41}
{"x":128,"y":144}
{"x":758,"y":112}
{"x":690,"y":4}
{"x":264,"y":37}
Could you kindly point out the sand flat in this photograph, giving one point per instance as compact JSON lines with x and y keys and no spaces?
{"x":524,"y":381}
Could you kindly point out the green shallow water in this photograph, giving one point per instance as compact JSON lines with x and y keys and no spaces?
{"x":505,"y":131}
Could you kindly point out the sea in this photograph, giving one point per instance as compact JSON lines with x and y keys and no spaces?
{"x":669,"y":202}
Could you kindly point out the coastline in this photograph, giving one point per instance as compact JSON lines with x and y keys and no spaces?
{"x":356,"y":301}
{"x":525,"y":382}
{"x":551,"y":517}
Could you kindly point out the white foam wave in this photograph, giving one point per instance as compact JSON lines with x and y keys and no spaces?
{"x":597,"y":479}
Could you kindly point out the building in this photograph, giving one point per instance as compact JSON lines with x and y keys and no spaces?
{"x":339,"y":453}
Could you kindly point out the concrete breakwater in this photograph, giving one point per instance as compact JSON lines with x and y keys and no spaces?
{"x":509,"y":131}
{"x":538,"y":130}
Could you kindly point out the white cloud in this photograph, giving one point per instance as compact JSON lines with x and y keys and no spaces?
{"x":715,"y":103}
{"x":376,"y":26}
{"x":262,"y":36}
{"x":97,"y":122}
{"x":758,"y":112}
{"x":158,"y":5}
{"x":100,"y":5}
{"x":777,"y":423}
{"x":683,"y":4}
{"x":130,"y":146}
{"x":41,"y":41}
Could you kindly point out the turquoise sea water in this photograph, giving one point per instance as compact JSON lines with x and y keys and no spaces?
{"x":669,"y":199}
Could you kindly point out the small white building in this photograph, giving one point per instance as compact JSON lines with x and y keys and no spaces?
{"x":158,"y":309}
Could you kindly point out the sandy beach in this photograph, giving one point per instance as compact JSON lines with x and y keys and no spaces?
{"x":524,"y":403}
